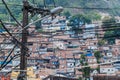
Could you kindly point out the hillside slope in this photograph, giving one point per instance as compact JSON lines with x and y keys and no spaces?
{"x":113,"y":4}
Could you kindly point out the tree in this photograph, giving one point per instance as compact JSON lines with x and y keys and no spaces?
{"x":67,"y":14}
{"x":80,"y":78}
{"x":109,"y":37}
{"x":112,"y":30}
{"x":49,"y":2}
{"x":98,"y":55}
{"x":77,"y":21}
{"x":82,"y":61}
{"x":38,"y":25}
{"x":98,"y":68}
{"x":108,"y":21}
{"x":83,"y":56}
{"x":86,"y":72}
{"x":0,"y":26}
{"x":93,"y":16}
{"x":101,"y":42}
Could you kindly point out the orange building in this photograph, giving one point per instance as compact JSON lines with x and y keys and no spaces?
{"x":5,"y":77}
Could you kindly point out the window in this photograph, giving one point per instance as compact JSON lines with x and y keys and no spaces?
{"x":30,"y":43}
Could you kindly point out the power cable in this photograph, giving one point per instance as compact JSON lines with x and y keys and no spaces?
{"x":12,"y":4}
{"x":12,"y":69}
{"x":11,"y":34}
{"x":54,"y":3}
{"x":10,"y":12}
{"x":5,"y":63}
{"x":32,"y":23}
{"x":8,"y":55}
{"x":44,"y":1}
{"x":84,"y":66}
{"x":87,"y":8}
{"x":85,"y":29}
{"x":15,"y":56}
{"x":71,"y":7}
{"x":4,"y":41}
{"x":14,"y":39}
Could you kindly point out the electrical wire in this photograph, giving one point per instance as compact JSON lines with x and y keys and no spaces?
{"x":54,"y":3}
{"x":14,"y":39}
{"x":12,"y":36}
{"x":3,"y":64}
{"x":13,"y":57}
{"x":10,"y":13}
{"x":8,"y":55}
{"x":11,"y":50}
{"x":4,"y":41}
{"x":71,"y":7}
{"x":12,"y":69}
{"x":59,"y":25}
{"x":12,"y":4}
{"x":44,"y":1}
{"x":32,"y":23}
{"x":80,"y":66}
{"x":87,"y":8}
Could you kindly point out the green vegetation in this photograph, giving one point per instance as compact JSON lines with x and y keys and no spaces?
{"x":90,"y":13}
{"x":67,"y":14}
{"x":85,"y":70}
{"x":108,"y":21}
{"x":82,"y":56}
{"x":38,"y":24}
{"x":77,"y":20}
{"x":40,"y":30}
{"x":98,"y":55}
{"x":112,"y":30}
{"x":93,"y":16}
{"x":80,"y":78}
{"x":0,"y":26}
{"x":101,"y":42}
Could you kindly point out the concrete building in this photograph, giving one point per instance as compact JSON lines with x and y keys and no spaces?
{"x":107,"y":69}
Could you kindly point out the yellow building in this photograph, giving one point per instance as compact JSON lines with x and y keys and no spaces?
{"x":30,"y":74}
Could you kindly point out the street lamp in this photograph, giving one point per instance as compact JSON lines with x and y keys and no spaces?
{"x":56,"y":10}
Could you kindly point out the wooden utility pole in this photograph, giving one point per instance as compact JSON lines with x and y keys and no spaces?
{"x":23,"y":57}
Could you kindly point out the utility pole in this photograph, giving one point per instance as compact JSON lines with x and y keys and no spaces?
{"x":23,"y":57}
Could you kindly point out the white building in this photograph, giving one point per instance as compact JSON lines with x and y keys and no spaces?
{"x":109,"y":54}
{"x":89,"y":31}
{"x":107,"y":69}
{"x":109,"y":58}
{"x":59,"y":45}
{"x":58,"y":23}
